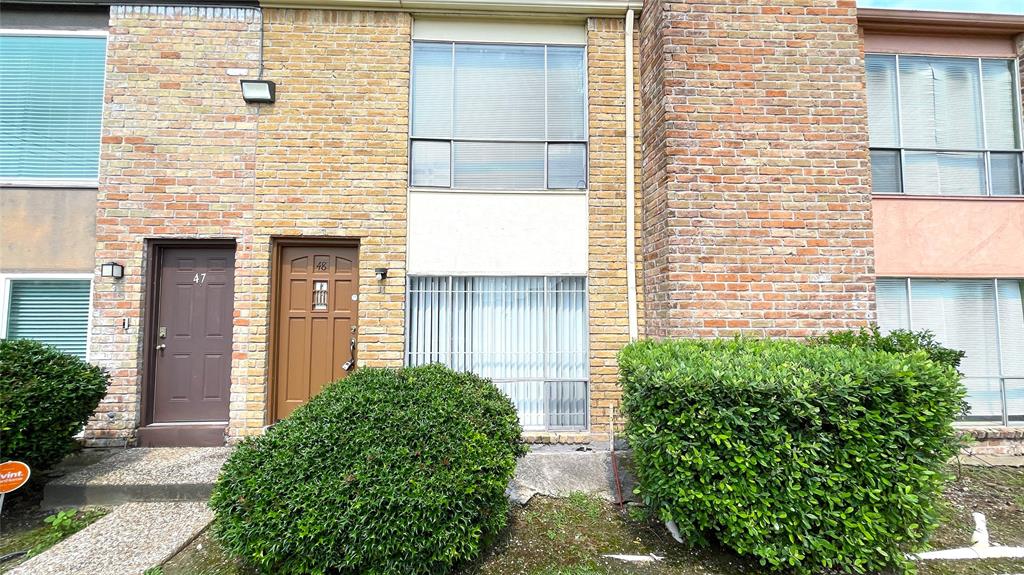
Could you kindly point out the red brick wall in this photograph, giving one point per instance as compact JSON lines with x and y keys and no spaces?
{"x":757,"y":201}
{"x":176,"y":161}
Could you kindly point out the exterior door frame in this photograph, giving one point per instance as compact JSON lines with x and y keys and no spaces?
{"x":277,"y":250}
{"x":154,"y":251}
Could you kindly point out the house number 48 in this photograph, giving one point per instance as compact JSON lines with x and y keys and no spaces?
{"x":199,"y":279}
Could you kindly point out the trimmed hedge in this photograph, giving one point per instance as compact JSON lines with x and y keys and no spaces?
{"x":808,"y":457}
{"x":385,"y":471}
{"x":46,"y":397}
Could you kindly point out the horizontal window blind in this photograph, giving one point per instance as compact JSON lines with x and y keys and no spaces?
{"x":54,"y":312}
{"x":51,"y":103}
{"x":944,"y":125}
{"x":527,"y":334}
{"x":983,"y":318}
{"x":494,"y":116}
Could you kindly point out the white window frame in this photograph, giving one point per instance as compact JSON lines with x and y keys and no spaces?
{"x":1002,"y":376}
{"x":901,"y":149}
{"x":60,"y":182}
{"x":5,"y":298}
{"x":451,"y":167}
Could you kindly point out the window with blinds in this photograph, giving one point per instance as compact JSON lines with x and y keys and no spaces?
{"x":54,"y":312}
{"x":527,"y":334}
{"x":984,"y":318}
{"x":493,"y":116}
{"x":51,"y":103}
{"x":944,"y":126}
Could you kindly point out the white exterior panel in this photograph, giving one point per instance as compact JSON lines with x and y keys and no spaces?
{"x":479,"y":233}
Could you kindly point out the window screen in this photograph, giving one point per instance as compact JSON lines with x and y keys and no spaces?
{"x":527,"y":334}
{"x":51,"y":103}
{"x":983,"y":318}
{"x":493,"y":116}
{"x":54,"y":312}
{"x":944,"y":126}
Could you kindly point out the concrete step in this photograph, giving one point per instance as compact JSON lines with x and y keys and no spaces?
{"x":131,"y":539}
{"x":139,"y":475}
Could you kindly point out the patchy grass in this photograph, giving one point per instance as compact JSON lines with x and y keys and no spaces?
{"x":569,"y":536}
{"x":998,"y":492}
{"x":36,"y":534}
{"x":204,"y":556}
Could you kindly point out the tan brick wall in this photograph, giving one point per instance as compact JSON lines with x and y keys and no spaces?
{"x":184,"y":157}
{"x":757,"y":200}
{"x":332,"y":162}
{"x":609,"y":327}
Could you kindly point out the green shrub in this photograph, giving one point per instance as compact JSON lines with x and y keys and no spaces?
{"x":385,"y":471}
{"x":809,"y":457}
{"x":46,"y":396}
{"x":896,"y":341}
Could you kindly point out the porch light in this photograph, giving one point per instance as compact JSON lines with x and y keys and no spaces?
{"x":258,"y":91}
{"x":112,"y":270}
{"x":381,"y":273}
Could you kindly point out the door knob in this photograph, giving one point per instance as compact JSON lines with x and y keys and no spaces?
{"x":161,"y":347}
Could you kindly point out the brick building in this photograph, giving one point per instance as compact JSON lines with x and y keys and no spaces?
{"x":512,"y":188}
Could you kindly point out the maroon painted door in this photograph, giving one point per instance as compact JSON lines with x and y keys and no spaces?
{"x":192,"y":355}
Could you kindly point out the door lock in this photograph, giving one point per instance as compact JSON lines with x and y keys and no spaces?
{"x":161,"y":348}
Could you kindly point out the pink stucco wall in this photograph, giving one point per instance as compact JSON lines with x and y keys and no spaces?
{"x":944,"y":237}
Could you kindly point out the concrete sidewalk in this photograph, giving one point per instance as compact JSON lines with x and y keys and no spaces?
{"x":131,"y":539}
{"x":142,"y":474}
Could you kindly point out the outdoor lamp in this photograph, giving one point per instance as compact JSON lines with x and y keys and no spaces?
{"x":112,"y":270}
{"x":258,"y":91}
{"x":381,"y":273}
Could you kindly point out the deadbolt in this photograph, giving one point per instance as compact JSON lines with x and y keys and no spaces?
{"x":163,"y":332}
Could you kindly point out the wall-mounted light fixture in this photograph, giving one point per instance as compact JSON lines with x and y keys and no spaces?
{"x":259,"y":91}
{"x":112,"y":270}
{"x":381,"y":273}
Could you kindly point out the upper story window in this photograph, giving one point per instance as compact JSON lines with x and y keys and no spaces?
{"x":51,"y":103}
{"x":944,"y":125}
{"x":498,"y":116}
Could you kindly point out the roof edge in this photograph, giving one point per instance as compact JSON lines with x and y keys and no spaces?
{"x":924,"y":21}
{"x":546,"y":7}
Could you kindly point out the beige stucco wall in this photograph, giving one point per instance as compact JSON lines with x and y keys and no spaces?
{"x":941,"y":237}
{"x":47,"y":230}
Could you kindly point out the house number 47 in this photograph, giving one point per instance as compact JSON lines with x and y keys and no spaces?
{"x":199,"y":279}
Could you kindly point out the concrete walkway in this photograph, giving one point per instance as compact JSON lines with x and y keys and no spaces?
{"x":132,"y":475}
{"x":131,"y":539}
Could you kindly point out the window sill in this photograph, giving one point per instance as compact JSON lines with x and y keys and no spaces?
{"x":66,"y":184}
{"x":940,"y":197}
{"x":498,"y":191}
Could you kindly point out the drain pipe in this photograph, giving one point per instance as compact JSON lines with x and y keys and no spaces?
{"x":630,"y":183}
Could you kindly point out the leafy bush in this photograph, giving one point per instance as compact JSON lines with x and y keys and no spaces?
{"x":385,"y":471}
{"x":896,"y":341}
{"x":809,"y":457}
{"x":46,"y":396}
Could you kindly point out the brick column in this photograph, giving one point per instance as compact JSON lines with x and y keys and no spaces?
{"x":756,"y":176}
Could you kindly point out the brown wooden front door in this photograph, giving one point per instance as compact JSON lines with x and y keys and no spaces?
{"x":316,"y":321}
{"x":192,"y":344}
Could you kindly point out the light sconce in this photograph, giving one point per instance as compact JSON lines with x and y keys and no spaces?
{"x":381,"y":273}
{"x":259,"y":91}
{"x":112,"y":270}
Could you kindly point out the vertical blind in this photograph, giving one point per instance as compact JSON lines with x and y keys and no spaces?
{"x":945,"y":126}
{"x":54,"y":312}
{"x":983,"y":318}
{"x":527,"y":334}
{"x":51,"y":102}
{"x":490,"y":116}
